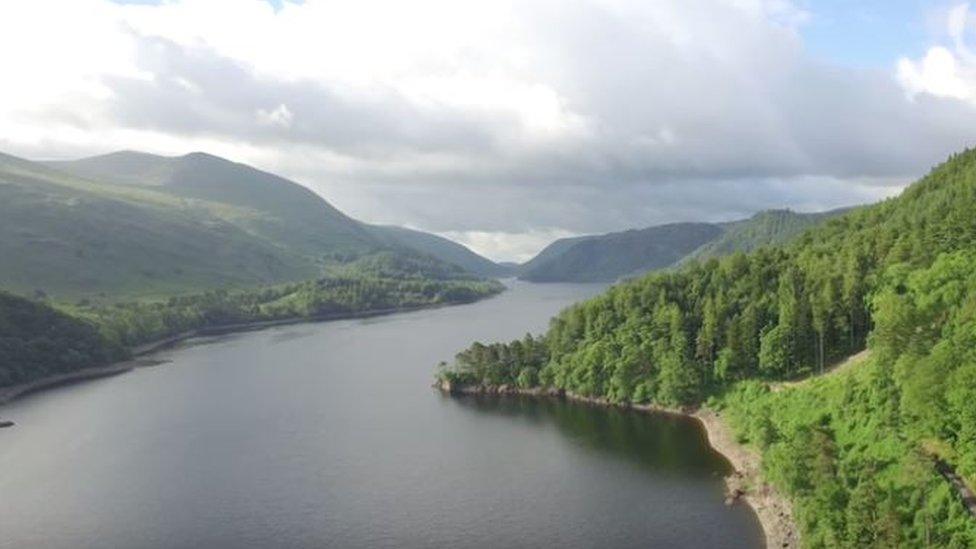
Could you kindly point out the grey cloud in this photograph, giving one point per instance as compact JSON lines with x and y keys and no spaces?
{"x":196,"y":92}
{"x":694,"y":113}
{"x":589,"y":208}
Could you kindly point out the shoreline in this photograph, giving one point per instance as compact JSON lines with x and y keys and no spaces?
{"x":16,"y":391}
{"x":242,"y":327}
{"x":137,"y":352}
{"x":746,"y":483}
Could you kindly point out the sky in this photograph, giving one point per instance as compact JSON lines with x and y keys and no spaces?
{"x":505,"y":124}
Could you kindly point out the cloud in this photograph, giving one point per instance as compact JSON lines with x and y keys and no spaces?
{"x":501,"y":122}
{"x":943,"y":72}
{"x":280,"y":116}
{"x":507,"y":246}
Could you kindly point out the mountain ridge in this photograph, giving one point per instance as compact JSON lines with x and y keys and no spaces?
{"x":138,"y":224}
{"x":613,"y":256}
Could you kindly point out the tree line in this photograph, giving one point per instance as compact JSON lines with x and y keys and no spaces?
{"x":38,"y":339}
{"x":714,"y":327}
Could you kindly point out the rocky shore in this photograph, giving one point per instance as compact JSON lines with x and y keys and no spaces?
{"x":746,"y":483}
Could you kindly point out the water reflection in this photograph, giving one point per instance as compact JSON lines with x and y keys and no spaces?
{"x":663,"y":444}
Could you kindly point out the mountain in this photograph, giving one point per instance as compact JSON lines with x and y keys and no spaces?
{"x":766,"y":228}
{"x":442,"y":248}
{"x":131,"y":224}
{"x":606,"y":258}
{"x":551,"y":252}
{"x":266,"y":205}
{"x":609,"y":257}
{"x":69,"y":237}
{"x":874,"y":454}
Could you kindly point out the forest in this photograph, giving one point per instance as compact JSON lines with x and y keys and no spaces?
{"x":41,"y":339}
{"x":133,"y":323}
{"x":36,"y":341}
{"x":893,"y":277}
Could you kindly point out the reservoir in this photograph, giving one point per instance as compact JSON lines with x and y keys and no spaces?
{"x":329,"y":435}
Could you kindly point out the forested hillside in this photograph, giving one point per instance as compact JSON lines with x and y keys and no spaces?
{"x":553,"y":250}
{"x":766,"y":228}
{"x":608,"y":257}
{"x":860,"y":451}
{"x":895,"y":274}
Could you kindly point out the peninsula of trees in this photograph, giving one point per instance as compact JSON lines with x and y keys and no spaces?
{"x":859,"y":451}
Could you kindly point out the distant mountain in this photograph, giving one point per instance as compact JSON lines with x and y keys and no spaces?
{"x":290,"y":214}
{"x":72,"y":237}
{"x":766,"y":228}
{"x":139,"y":225}
{"x":442,"y":248}
{"x":268,"y":206}
{"x":609,"y":257}
{"x":605,"y":258}
{"x":549,"y":253}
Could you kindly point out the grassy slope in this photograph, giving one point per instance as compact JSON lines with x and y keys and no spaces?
{"x":72,"y":237}
{"x":278,"y":210}
{"x":133,"y":224}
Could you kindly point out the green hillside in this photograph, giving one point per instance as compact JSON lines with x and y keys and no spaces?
{"x":70,"y":237}
{"x":550,"y":252}
{"x":271,"y":207}
{"x":608,"y":257}
{"x":442,"y":248}
{"x":766,"y":228}
{"x":856,"y":457}
{"x":132,"y":224}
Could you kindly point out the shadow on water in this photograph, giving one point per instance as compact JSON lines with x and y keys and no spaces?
{"x":664,"y":444}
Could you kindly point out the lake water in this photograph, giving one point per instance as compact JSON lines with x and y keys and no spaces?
{"x":328,"y":435}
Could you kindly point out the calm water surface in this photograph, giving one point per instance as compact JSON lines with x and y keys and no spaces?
{"x":328,"y":435}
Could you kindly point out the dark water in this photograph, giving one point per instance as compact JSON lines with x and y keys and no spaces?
{"x":327,"y":435}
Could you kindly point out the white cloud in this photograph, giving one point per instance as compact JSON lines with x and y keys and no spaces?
{"x":507,"y":246}
{"x":503,"y":122}
{"x":943,"y":72}
{"x":280,"y":116}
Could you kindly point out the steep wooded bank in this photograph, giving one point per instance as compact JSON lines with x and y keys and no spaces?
{"x":38,"y":341}
{"x":895,"y":271}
